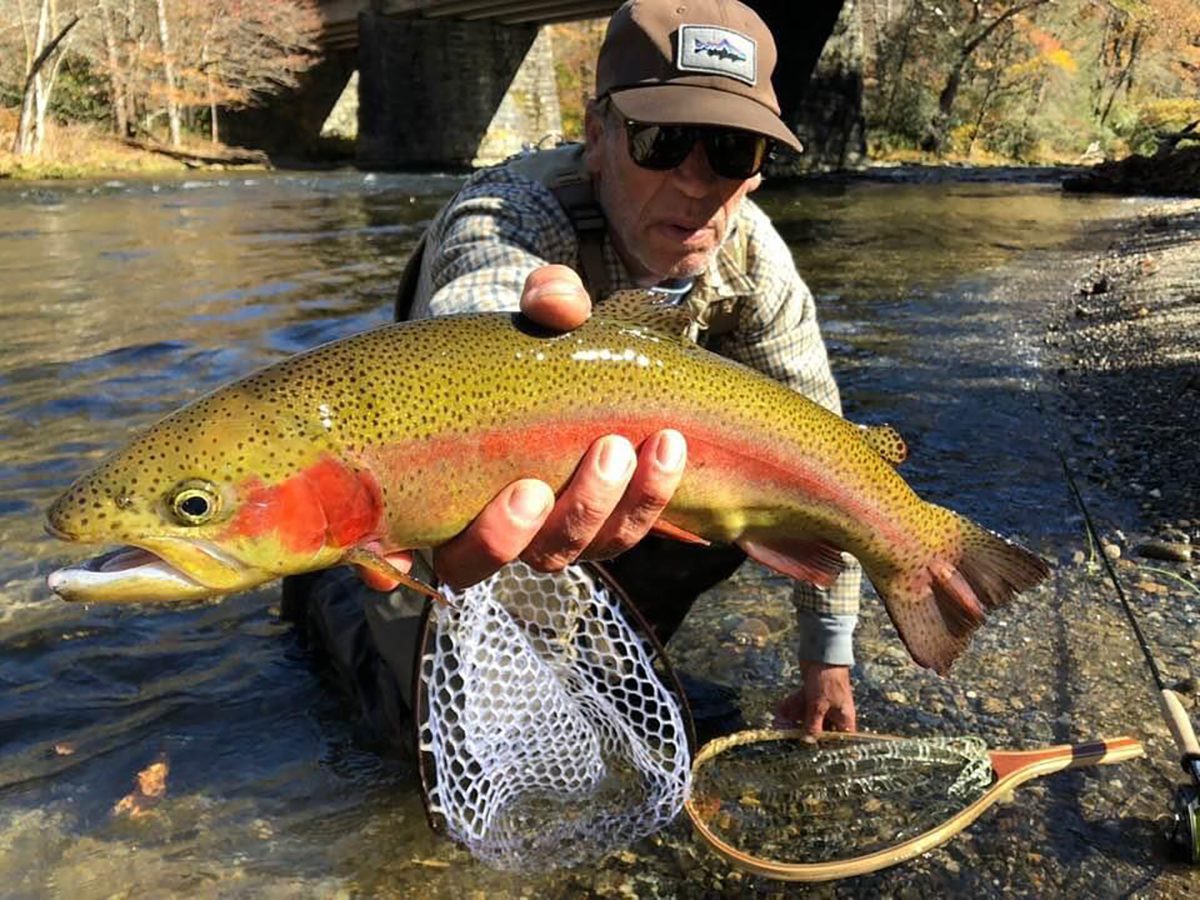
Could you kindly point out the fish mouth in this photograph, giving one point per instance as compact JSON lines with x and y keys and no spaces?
{"x":138,"y":574}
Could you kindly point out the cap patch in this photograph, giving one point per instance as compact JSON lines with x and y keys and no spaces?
{"x":717,"y":51}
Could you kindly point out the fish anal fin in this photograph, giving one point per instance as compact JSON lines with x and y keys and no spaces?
{"x":811,"y":560}
{"x":887,"y":442}
{"x":375,"y":569}
{"x":675,"y":533}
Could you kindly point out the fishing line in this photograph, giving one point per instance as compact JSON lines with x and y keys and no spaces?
{"x":1112,"y":575}
{"x":1186,"y":833}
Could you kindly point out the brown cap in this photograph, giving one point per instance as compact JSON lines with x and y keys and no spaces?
{"x":692,"y":62}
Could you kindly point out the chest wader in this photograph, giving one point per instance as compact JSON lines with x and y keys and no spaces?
{"x":661,"y":577}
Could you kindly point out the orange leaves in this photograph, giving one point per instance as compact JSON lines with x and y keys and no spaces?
{"x":151,"y":788}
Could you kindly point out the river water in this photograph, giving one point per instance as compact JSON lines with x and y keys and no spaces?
{"x":121,"y":300}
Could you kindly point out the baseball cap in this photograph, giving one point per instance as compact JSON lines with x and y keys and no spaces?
{"x":692,"y":62}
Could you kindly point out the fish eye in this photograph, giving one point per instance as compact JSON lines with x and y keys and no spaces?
{"x":195,"y":502}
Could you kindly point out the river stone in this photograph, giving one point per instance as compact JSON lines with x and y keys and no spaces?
{"x":1154,"y":548}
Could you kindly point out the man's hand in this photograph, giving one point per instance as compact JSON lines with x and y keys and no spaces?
{"x":609,"y":505}
{"x":824,"y":703}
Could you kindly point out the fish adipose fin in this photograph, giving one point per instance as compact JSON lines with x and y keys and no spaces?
{"x":813,"y":561}
{"x":935,"y":610}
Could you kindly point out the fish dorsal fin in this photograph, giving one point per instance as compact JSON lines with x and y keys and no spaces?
{"x":647,"y":309}
{"x":886,"y":441}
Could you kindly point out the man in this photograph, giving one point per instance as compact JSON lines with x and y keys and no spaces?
{"x":676,"y":137}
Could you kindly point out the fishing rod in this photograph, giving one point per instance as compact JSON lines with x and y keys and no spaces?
{"x":1186,"y":832}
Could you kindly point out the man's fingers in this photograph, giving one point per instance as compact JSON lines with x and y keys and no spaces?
{"x":554,"y":297}
{"x":497,"y":536}
{"x":814,"y":718}
{"x":843,"y":720}
{"x":659,"y":471}
{"x":585,"y":504}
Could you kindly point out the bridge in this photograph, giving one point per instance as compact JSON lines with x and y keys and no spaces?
{"x":341,"y":16}
{"x":461,"y":83}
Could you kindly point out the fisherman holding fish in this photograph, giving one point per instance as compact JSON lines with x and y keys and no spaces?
{"x":683,"y":119}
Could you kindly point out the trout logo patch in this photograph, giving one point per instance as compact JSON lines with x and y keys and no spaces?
{"x":717,"y":51}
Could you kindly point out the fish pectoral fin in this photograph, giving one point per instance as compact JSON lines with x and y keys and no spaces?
{"x":675,"y":533}
{"x":811,"y":560}
{"x":886,"y":441}
{"x":380,"y":574}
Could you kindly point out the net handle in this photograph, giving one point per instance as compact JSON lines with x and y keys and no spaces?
{"x":1012,"y":769}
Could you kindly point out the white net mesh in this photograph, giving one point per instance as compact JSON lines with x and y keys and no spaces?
{"x":552,"y":738}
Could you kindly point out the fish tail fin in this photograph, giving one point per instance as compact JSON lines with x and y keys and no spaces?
{"x":938,"y":604}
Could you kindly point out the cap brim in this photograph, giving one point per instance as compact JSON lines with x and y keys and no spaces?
{"x":685,"y":104}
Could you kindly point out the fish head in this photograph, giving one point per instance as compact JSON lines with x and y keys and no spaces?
{"x":218,"y":498}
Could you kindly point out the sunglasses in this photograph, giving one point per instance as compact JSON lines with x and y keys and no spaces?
{"x":731,"y":153}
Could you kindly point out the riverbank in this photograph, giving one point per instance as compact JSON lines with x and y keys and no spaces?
{"x":1128,"y":343}
{"x":79,"y":152}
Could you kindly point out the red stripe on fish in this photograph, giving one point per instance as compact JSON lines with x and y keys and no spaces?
{"x":442,"y":472}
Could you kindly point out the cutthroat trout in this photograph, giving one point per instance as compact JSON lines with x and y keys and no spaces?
{"x":396,"y":438}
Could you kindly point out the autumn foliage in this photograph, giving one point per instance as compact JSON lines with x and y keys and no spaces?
{"x":143,"y":64}
{"x":1032,"y":80}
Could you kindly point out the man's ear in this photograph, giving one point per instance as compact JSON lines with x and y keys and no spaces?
{"x":593,"y":132}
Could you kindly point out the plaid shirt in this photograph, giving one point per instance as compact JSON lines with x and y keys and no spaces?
{"x":503,"y":224}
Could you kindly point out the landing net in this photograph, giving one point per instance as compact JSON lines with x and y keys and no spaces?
{"x":793,"y":802}
{"x":547,"y":738}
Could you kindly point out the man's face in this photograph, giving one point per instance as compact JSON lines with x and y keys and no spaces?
{"x":665,"y":224}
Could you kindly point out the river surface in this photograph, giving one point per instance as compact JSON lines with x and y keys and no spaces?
{"x":121,"y":300}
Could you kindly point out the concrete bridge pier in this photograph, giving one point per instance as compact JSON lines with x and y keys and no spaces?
{"x":438,"y":93}
{"x":290,"y":126}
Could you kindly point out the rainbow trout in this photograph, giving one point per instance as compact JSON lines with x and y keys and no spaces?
{"x":396,"y":438}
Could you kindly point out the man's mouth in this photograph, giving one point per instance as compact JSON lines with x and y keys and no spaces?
{"x":686,"y":232}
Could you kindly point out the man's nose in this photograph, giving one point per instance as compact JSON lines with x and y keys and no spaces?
{"x":694,"y":175}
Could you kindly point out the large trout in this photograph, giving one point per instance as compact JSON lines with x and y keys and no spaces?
{"x":396,"y":438}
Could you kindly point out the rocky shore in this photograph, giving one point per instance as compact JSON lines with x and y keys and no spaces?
{"x":1129,"y":370}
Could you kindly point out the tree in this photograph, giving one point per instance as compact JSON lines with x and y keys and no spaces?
{"x":35,"y":94}
{"x":983,"y":20}
{"x":168,"y":64}
{"x":146,"y":58}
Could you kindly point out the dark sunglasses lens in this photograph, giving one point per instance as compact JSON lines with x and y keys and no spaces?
{"x":735,"y":154}
{"x":659,"y":146}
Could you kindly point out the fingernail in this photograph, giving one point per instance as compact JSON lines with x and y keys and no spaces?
{"x":670,"y":450}
{"x":529,"y":502}
{"x":616,"y":460}
{"x":556,"y":288}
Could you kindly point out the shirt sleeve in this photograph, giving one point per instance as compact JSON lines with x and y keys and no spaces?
{"x":486,"y":242}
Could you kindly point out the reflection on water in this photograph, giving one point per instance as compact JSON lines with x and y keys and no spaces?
{"x":119,"y":301}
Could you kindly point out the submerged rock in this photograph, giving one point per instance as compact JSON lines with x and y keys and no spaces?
{"x":1170,"y":551}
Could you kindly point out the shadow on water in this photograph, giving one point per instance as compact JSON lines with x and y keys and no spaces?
{"x":120,"y":301}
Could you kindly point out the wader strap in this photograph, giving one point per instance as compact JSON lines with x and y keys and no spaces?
{"x":573,"y":191}
{"x":406,"y":293}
